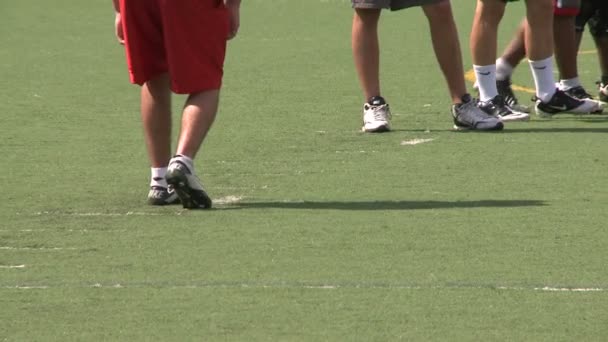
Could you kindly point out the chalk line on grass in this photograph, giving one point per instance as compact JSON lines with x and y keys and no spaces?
{"x":12,"y":248}
{"x":415,"y":142}
{"x":327,"y":286}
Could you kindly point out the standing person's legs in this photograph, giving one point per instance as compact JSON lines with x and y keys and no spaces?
{"x":156,"y":118}
{"x":197,"y":117}
{"x":539,"y":46}
{"x":366,"y":50}
{"x":366,"y":55}
{"x":566,"y":47}
{"x":148,"y":67}
{"x":446,"y":44}
{"x":483,"y":43}
{"x":539,"y":43}
{"x":195,"y":37}
{"x":513,"y":54}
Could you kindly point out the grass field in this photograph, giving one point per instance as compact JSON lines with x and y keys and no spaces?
{"x":320,"y":232}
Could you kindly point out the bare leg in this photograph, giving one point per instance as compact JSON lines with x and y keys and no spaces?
{"x":366,"y":50}
{"x":566,"y":50}
{"x":156,"y":117}
{"x":447,"y":47}
{"x":198,"y":116}
{"x":515,"y":52}
{"x":539,"y":35}
{"x":484,"y":32}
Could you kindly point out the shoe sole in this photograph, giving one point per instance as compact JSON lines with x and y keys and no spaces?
{"x":545,"y":115}
{"x":465,"y":129}
{"x":515,"y":117}
{"x":161,"y":202}
{"x":190,"y":198}
{"x":379,"y":129}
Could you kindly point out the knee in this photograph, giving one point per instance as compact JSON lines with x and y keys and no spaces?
{"x":439,"y":12}
{"x":367,"y":17}
{"x":539,"y":8}
{"x":490,"y":12}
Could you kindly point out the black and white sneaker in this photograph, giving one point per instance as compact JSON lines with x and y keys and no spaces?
{"x":496,"y":107}
{"x":159,"y":195}
{"x":561,"y":102}
{"x":187,"y":186}
{"x":578,"y":92}
{"x":468,"y":116}
{"x":505,"y":90}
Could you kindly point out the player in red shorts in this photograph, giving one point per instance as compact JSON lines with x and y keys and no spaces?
{"x":176,"y":46}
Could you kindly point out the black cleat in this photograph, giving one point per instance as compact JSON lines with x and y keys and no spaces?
{"x":159,"y":195}
{"x":187,"y":186}
{"x":561,"y":102}
{"x":496,"y":107}
{"x":505,"y":90}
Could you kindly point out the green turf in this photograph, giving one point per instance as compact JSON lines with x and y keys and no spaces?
{"x":336,"y":235}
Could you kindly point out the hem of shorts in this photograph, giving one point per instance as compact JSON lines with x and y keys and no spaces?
{"x":196,"y":90}
{"x":416,"y":4}
{"x":368,"y":6}
{"x":566,"y":12}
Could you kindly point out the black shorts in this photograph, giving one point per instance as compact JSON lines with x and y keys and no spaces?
{"x":393,"y":5}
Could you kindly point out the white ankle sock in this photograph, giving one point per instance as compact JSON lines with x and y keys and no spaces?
{"x":157,"y":176}
{"x":185,"y":160}
{"x":543,"y":78}
{"x":486,"y":80}
{"x":569,"y":83}
{"x":504,"y":70}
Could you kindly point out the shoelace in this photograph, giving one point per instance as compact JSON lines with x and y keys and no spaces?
{"x":381,"y":112}
{"x":580,"y":93}
{"x":471,"y":108}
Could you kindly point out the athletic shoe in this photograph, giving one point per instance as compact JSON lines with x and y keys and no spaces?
{"x":468,"y":116}
{"x":376,"y":116}
{"x":603,"y":90}
{"x":159,"y":195}
{"x":187,"y":186}
{"x":505,"y":90}
{"x":496,"y":107}
{"x":581,"y":94}
{"x":561,"y":102}
{"x":578,"y":92}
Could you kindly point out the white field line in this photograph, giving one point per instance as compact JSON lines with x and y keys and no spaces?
{"x":312,"y":287}
{"x":92,"y":214}
{"x":415,"y":142}
{"x":9,"y":248}
{"x":12,"y":266}
{"x":226,"y":200}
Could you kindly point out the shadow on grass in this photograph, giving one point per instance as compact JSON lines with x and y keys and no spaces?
{"x":557,"y":130}
{"x":392,"y":205}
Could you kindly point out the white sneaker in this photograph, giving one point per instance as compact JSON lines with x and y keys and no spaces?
{"x":376,"y":116}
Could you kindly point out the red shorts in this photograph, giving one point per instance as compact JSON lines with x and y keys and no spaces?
{"x":566,"y":8}
{"x":186,"y":38}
